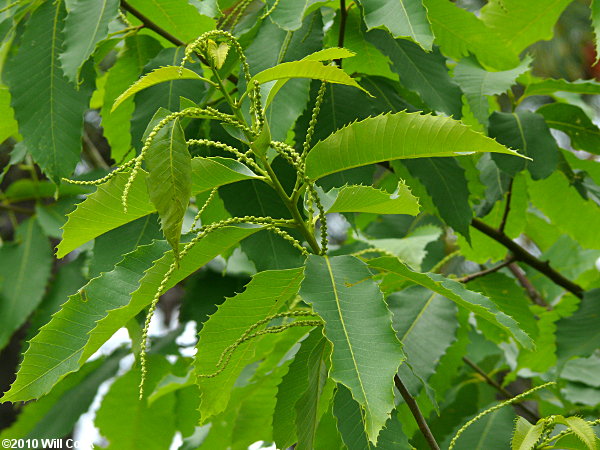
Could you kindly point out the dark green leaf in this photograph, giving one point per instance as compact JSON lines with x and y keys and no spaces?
{"x":579,"y":335}
{"x":574,"y":121}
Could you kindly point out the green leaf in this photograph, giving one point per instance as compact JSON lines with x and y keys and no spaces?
{"x":525,"y":131}
{"x":55,"y":415}
{"x":160,"y":75}
{"x":371,"y":200}
{"x":90,"y":317}
{"x":24,"y":270}
{"x":359,"y":325}
{"x":305,"y":69}
{"x":445,"y":182}
{"x":128,"y":423}
{"x":170,"y":180}
{"x":578,"y":335}
{"x":8,"y":125}
{"x":395,"y":136}
{"x":293,"y":386}
{"x":425,"y":324}
{"x":177,"y":17}
{"x":102,"y":210}
{"x":577,"y":217}
{"x":349,"y":422}
{"x":581,"y":428}
{"x":138,"y":49}
{"x":519,"y":23}
{"x":549,"y":86}
{"x":218,"y":53}
{"x":459,"y":32}
{"x":575,"y":122}
{"x":526,"y":435}
{"x":264,"y":296}
{"x":289,"y":15}
{"x":452,"y":290}
{"x":48,"y":108}
{"x":421,"y":72}
{"x":596,"y":26}
{"x":403,"y":18}
{"x":86,"y":25}
{"x":477,"y":84}
{"x":493,"y":431}
{"x":307,"y":406}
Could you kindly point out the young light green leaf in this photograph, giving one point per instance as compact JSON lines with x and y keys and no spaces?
{"x":264,"y":296}
{"x":90,"y":317}
{"x":371,"y":200}
{"x":572,"y":120}
{"x":24,"y":270}
{"x":581,"y":429}
{"x":526,"y":435}
{"x":366,"y":353}
{"x":86,"y":25}
{"x":48,"y":108}
{"x":520,"y":23}
{"x":160,"y":75}
{"x":477,"y":84}
{"x":305,"y":69}
{"x":596,"y":25}
{"x":8,"y":125}
{"x":102,"y":210}
{"x":452,"y":290}
{"x":170,"y":180}
{"x":403,"y":18}
{"x":218,"y":52}
{"x":396,"y":136}
{"x":459,"y":32}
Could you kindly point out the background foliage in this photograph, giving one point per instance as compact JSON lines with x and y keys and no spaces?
{"x":378,"y":217}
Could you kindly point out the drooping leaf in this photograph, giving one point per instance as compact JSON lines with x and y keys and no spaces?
{"x":128,"y":423}
{"x":395,"y":136}
{"x":264,"y":296}
{"x":106,"y":304}
{"x":520,"y":24}
{"x":403,"y":18}
{"x":24,"y":269}
{"x":170,"y":179}
{"x":307,"y":406}
{"x":371,"y":200}
{"x":425,"y":324}
{"x":102,"y":210}
{"x":452,"y":290}
{"x":85,"y":26}
{"x":55,"y":415}
{"x":477,"y":84}
{"x":578,"y":335}
{"x":349,"y":422}
{"x":358,"y":324}
{"x":48,"y":108}
{"x":577,"y":217}
{"x":571,"y":119}
{"x":160,"y":75}
{"x":305,"y":69}
{"x":421,"y":72}
{"x":445,"y":182}
{"x":177,"y":17}
{"x":527,"y":132}
{"x":459,"y":32}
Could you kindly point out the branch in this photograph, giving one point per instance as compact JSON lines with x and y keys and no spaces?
{"x":16,"y":209}
{"x":507,"y":207}
{"x":475,"y":275}
{"x":148,"y":23}
{"x":489,"y":380}
{"x":523,"y":255}
{"x":532,"y":292}
{"x":342,"y":33}
{"x":416,"y":412}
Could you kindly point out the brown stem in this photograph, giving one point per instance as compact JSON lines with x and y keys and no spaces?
{"x":417,"y":414}
{"x":148,"y":23}
{"x":523,"y":255}
{"x":507,"y":207}
{"x":489,"y":380}
{"x":17,"y":209}
{"x":473,"y":276}
{"x":532,"y":292}
{"x":342,"y":33}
